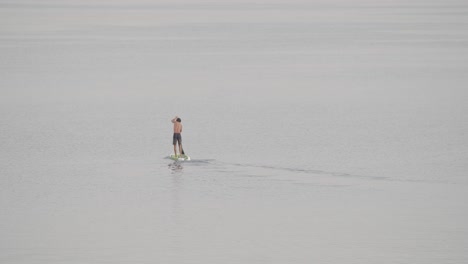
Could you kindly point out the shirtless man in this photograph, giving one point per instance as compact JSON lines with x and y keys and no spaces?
{"x":177,"y":138}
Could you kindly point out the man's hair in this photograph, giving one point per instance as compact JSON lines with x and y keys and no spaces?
{"x":179,"y":120}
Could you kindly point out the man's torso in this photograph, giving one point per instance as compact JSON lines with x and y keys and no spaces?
{"x":177,"y":127}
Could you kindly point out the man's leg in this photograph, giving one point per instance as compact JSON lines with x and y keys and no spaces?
{"x":179,"y":141}
{"x":175,"y":150}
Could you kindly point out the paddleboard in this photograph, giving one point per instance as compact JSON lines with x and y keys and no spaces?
{"x":180,"y":158}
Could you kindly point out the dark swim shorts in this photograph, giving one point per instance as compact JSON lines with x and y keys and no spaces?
{"x":176,"y":138}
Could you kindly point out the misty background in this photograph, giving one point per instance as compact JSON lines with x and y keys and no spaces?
{"x":404,"y":51}
{"x":319,"y":131}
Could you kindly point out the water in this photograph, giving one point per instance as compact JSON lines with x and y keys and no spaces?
{"x":323,"y":132}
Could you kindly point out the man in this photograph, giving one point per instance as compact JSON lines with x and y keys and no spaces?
{"x":177,"y":138}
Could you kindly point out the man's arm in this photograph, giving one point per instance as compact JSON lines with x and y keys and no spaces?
{"x":174,"y":120}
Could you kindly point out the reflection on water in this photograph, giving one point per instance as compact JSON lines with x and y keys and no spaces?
{"x":175,"y":167}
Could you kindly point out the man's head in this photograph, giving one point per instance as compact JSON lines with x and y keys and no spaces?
{"x":179,"y":120}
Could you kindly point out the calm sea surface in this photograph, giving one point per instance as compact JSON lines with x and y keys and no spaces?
{"x":319,"y":131}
